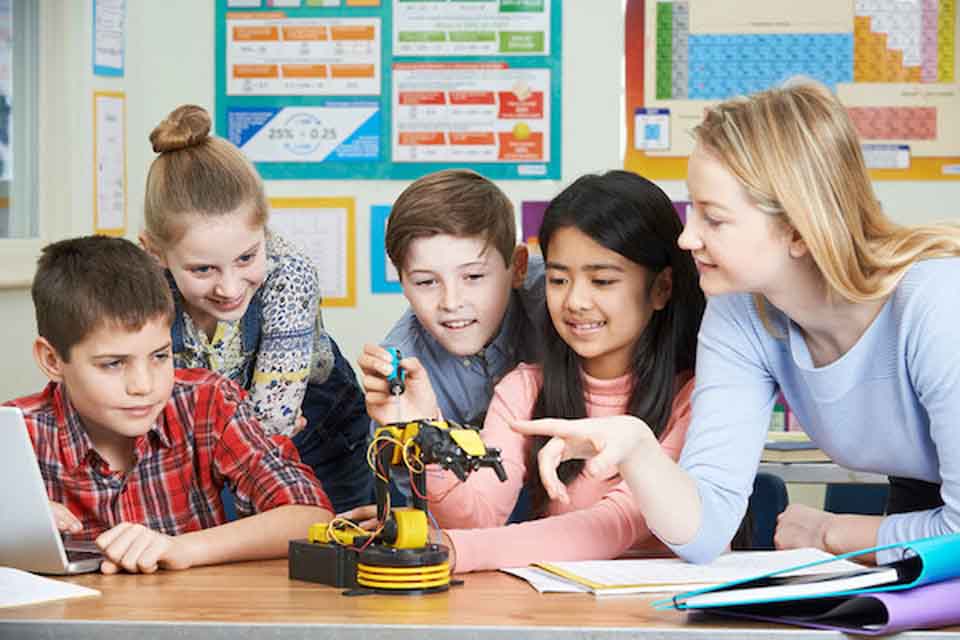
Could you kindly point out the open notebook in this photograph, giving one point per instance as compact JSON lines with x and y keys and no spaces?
{"x":664,"y":575}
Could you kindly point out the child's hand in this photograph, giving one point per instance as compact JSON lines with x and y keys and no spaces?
{"x":447,"y":541}
{"x":366,"y":519}
{"x":137,"y":549}
{"x":66,"y":521}
{"x":416,"y":402}
{"x":299,"y":424}
{"x":365,"y":516}
{"x":802,"y":526}
{"x":604,"y":443}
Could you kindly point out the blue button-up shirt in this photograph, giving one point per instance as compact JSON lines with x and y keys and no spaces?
{"x":464,"y":385}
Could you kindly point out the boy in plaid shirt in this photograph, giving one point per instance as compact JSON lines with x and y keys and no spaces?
{"x":133,"y":454}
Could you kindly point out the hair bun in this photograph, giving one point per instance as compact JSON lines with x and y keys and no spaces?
{"x":186,"y":126}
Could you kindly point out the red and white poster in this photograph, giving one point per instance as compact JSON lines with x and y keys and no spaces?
{"x":470,"y":112}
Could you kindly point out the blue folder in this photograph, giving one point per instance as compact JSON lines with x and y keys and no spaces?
{"x":932,"y":560}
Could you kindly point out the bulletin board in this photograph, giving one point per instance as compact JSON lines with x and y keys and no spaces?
{"x":893,"y":64}
{"x":391,"y":89}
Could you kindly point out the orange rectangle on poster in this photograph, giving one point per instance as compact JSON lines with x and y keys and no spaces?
{"x":255,"y":15}
{"x":473,"y":138}
{"x":304,"y":70}
{"x":341,"y":32}
{"x":255,"y":71}
{"x":255,"y":33}
{"x":421,"y":138}
{"x":472,"y":97}
{"x":515,"y":150}
{"x":512,"y":106}
{"x":363,"y":3}
{"x":304,"y":33}
{"x":351,"y":70}
{"x":422,"y":97}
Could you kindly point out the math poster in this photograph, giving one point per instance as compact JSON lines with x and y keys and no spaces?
{"x":391,"y":89}
{"x":472,"y":112}
{"x":472,"y":28}
{"x":892,"y":63}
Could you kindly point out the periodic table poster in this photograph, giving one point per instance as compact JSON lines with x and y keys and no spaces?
{"x":893,"y":63}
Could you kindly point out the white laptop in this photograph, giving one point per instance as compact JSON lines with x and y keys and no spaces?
{"x":29,"y":538}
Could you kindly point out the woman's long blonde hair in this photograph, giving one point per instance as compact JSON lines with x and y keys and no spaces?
{"x":797,"y":154}
{"x":196,"y":173}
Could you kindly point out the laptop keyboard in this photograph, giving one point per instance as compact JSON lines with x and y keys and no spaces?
{"x":80,"y":551}
{"x":80,"y":556}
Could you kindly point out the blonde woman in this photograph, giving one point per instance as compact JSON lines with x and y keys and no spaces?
{"x":812,"y":291}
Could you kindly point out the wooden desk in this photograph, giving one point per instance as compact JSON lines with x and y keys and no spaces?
{"x":257,"y":600}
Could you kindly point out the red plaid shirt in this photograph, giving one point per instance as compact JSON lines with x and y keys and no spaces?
{"x":205,"y":439}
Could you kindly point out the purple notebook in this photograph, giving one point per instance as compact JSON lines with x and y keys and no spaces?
{"x":926,"y":607}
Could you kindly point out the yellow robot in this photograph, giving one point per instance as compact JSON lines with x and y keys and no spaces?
{"x":397,"y":557}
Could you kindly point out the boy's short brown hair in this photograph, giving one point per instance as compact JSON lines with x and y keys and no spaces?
{"x":455,"y":202}
{"x":82,"y":283}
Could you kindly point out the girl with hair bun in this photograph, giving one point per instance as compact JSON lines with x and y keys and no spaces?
{"x":248,"y":301}
{"x":814,"y":292}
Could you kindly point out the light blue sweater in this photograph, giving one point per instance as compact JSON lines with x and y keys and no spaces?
{"x":890,"y":405}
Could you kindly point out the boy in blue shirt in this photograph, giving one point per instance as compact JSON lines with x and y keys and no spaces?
{"x":476,"y":300}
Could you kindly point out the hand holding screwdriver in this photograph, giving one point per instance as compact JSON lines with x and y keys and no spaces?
{"x":415,"y":400}
{"x":396,"y":379}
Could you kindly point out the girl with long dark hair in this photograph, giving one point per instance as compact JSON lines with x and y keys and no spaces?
{"x":625,"y":309}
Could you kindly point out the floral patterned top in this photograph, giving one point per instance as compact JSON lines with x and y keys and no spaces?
{"x":276,"y":348}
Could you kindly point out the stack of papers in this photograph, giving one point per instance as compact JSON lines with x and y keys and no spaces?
{"x":668,"y":575}
{"x":18,"y":588}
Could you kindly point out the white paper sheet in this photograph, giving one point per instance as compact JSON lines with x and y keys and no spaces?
{"x":111,"y":188}
{"x":18,"y":588}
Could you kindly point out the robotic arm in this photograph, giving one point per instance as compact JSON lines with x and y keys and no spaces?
{"x":398,"y":557}
{"x":418,"y":443}
{"x":457,"y":449}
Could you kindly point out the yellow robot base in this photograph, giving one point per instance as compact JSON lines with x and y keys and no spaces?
{"x":388,"y":570}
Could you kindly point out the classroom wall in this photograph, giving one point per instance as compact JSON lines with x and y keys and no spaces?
{"x":170,"y":61}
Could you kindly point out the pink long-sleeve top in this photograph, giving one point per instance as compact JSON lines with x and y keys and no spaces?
{"x":602,"y":521}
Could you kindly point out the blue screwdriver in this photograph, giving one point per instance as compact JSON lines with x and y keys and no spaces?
{"x":397,"y":376}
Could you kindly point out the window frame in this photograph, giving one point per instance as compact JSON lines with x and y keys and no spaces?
{"x":18,"y":254}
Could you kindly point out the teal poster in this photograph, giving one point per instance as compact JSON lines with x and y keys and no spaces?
{"x":391,"y":89}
